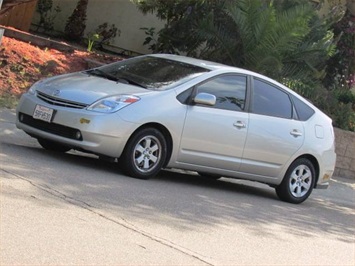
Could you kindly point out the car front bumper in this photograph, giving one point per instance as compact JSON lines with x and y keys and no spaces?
{"x":99,"y":133}
{"x":327,"y":169}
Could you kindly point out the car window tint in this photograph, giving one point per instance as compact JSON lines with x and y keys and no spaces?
{"x":184,"y":96}
{"x":304,"y":111}
{"x":229,"y":91}
{"x":271,"y":101}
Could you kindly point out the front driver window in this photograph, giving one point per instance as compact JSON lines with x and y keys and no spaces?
{"x":230,"y":91}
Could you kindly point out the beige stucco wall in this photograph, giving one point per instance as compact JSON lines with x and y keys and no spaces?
{"x":345,"y":150}
{"x":331,"y":4}
{"x":123,"y":13}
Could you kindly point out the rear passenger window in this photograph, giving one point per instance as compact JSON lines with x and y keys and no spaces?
{"x":304,"y":112}
{"x":230,"y":91}
{"x":270,"y":100}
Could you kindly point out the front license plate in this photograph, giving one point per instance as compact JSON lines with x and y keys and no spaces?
{"x":43,"y":113}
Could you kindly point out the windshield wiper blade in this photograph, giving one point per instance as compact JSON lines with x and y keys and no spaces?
{"x":130,"y":81}
{"x":100,"y":73}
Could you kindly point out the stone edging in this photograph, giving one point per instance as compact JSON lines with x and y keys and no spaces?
{"x":45,"y":42}
{"x":36,"y":40}
{"x":345,"y":150}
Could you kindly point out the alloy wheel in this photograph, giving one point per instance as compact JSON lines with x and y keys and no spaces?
{"x":300,"y":181}
{"x":147,"y":154}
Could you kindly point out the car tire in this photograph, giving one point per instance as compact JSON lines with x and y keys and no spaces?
{"x":52,"y":146}
{"x":209,"y":176}
{"x":144,"y":154}
{"x":298,"y":182}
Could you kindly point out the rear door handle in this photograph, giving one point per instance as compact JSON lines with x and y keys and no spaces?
{"x":239,"y":124}
{"x":296,"y":133}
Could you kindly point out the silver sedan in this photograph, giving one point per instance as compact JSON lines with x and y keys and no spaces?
{"x":165,"y":111}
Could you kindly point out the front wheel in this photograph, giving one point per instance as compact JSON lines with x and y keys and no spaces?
{"x":298,"y":182}
{"x":144,"y":154}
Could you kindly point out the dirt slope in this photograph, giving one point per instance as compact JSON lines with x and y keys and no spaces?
{"x":22,"y":64}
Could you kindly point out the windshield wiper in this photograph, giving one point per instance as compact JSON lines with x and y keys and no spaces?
{"x":130,"y":81}
{"x":100,"y":73}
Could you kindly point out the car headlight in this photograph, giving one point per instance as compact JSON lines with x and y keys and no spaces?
{"x":32,"y":91}
{"x":113,"y":103}
{"x":34,"y":87}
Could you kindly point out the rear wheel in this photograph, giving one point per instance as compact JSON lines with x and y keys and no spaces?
{"x":298,"y":182}
{"x":52,"y":146}
{"x":144,"y":154}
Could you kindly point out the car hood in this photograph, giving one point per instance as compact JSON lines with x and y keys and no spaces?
{"x":85,"y":88}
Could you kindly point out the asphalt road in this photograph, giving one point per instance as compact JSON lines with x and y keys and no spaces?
{"x":72,"y":209}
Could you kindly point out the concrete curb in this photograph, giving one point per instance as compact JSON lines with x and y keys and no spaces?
{"x":36,"y":40}
{"x":45,"y":42}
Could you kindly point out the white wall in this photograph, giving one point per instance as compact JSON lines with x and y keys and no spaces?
{"x":123,"y":13}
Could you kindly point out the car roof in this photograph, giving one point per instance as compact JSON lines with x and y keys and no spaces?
{"x":213,"y":66}
{"x":192,"y":61}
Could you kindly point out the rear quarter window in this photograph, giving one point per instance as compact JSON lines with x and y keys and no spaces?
{"x":304,"y":112}
{"x":271,"y":101}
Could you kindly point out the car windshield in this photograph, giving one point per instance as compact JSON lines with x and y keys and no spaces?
{"x":149,"y":72}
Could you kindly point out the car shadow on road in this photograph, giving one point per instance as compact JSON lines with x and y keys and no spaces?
{"x":186,"y":200}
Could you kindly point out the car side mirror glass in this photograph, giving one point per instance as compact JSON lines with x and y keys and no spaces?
{"x":205,"y":99}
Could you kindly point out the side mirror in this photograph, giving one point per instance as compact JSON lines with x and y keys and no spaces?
{"x":205,"y":99}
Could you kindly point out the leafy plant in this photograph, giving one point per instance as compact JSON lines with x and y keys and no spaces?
{"x":182,"y":17}
{"x":281,"y":39}
{"x":17,"y":68}
{"x":75,"y":25}
{"x":47,"y":14}
{"x":92,"y":38}
{"x":8,"y":100}
{"x":107,"y":33}
{"x":102,"y":35}
{"x":278,"y":43}
{"x":341,"y":67}
{"x":150,"y":39}
{"x":339,"y":105}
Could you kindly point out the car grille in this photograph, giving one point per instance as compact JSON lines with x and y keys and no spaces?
{"x":53,"y":128}
{"x":60,"y":102}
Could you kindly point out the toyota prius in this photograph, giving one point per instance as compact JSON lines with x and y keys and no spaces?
{"x":166,"y":111}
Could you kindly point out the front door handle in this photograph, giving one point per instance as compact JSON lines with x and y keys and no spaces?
{"x":296,"y":133}
{"x":239,"y":124}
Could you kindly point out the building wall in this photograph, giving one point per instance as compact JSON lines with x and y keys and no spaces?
{"x":345,"y":150}
{"x":123,"y":13}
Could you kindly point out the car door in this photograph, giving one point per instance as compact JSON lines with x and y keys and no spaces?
{"x":274,"y":135}
{"x":214,"y":136}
